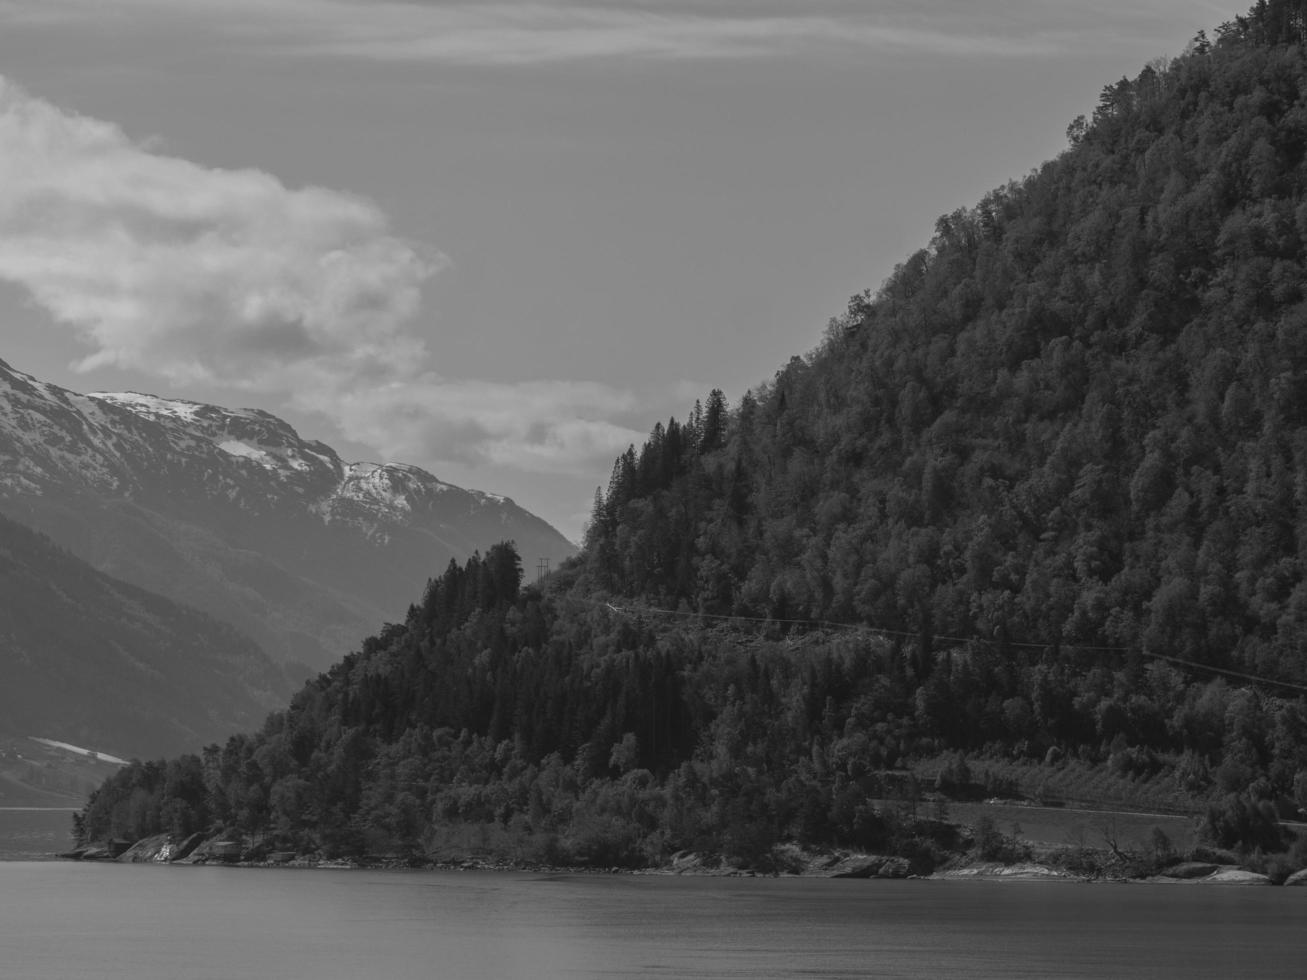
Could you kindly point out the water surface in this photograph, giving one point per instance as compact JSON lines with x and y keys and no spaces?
{"x":66,"y":921}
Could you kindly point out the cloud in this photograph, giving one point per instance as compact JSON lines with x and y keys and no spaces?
{"x":535,"y":32}
{"x":193,"y":273}
{"x":228,"y":277}
{"x":535,"y":426}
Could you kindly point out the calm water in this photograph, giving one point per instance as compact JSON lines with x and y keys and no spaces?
{"x":66,"y":921}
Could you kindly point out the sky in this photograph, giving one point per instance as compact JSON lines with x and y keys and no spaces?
{"x":501,"y":240}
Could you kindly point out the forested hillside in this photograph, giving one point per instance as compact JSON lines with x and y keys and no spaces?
{"x":1041,"y":496}
{"x":1076,"y":418}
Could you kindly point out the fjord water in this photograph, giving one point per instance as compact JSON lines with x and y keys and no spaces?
{"x":67,"y":921}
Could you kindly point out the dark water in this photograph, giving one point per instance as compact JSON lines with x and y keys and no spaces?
{"x":66,"y":921}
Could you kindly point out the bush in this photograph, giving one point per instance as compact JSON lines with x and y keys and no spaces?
{"x":605,"y":841}
{"x":990,"y":843}
{"x":1137,"y":762}
{"x":954,"y":778}
{"x":1239,"y":821}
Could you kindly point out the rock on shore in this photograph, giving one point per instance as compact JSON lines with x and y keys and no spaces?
{"x":1202,"y":873}
{"x":786,"y":859}
{"x":1012,"y":872}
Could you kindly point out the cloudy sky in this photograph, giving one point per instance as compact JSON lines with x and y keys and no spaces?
{"x":501,"y":239}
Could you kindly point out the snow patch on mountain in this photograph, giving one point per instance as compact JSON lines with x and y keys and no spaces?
{"x":244,"y":450}
{"x":126,"y":443}
{"x":376,"y":484}
{"x":151,"y":406}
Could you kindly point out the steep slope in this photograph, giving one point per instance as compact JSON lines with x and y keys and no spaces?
{"x":94,"y":661}
{"x":1048,"y":489}
{"x":1079,"y":418}
{"x":232,"y":512}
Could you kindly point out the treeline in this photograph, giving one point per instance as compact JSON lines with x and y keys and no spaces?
{"x":554,"y":728}
{"x":550,"y":727}
{"x":1064,"y":442}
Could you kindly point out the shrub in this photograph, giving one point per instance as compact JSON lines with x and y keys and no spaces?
{"x":1239,"y":821}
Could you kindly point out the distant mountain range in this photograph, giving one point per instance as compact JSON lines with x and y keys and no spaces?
{"x":232,"y":512}
{"x":90,"y":659}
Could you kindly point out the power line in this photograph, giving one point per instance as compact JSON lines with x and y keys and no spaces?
{"x":943,"y":638}
{"x":1227,"y":673}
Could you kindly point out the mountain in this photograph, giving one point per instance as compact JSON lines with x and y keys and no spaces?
{"x":1077,"y":419}
{"x":93,"y":661}
{"x":230,"y":511}
{"x":1031,"y":520}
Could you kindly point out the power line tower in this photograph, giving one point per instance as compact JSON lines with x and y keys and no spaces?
{"x":542,"y":569}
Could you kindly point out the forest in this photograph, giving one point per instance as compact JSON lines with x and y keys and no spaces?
{"x":1040,"y":497}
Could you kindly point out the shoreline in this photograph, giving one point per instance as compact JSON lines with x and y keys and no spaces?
{"x":834,"y":864}
{"x":40,"y":809}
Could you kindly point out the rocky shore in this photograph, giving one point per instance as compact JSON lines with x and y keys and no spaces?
{"x":791,"y":861}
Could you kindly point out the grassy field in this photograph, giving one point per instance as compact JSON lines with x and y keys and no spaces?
{"x":1044,"y":827}
{"x":1073,"y":782}
{"x":1094,"y":807}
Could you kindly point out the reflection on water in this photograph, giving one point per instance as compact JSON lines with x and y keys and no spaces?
{"x":113,"y":922}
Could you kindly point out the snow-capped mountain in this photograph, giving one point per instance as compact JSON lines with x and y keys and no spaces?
{"x":130,"y":444}
{"x":232,"y":511}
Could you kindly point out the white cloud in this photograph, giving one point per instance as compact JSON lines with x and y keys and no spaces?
{"x":534,"y":426}
{"x":228,"y":277}
{"x":193,"y":273}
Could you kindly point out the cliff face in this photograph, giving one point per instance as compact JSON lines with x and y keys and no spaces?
{"x":231,"y":511}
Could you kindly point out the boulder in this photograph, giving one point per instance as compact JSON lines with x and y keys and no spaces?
{"x":895,"y":868}
{"x":1236,"y":876}
{"x":687,"y":862}
{"x":224,"y":851}
{"x":859,"y":866}
{"x":183,"y":850}
{"x":1297,"y":880}
{"x":1016,"y":872}
{"x":1187,"y":870}
{"x":147,"y":849}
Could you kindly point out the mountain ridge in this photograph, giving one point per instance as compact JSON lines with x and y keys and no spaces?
{"x":245,"y":439}
{"x":232,"y":511}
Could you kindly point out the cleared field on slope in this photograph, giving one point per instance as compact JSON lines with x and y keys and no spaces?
{"x":1073,"y":827}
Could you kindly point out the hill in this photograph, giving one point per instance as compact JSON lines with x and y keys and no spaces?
{"x":1075,"y":419}
{"x":230,"y":511}
{"x":1039,"y":501}
{"x":93,"y":661}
